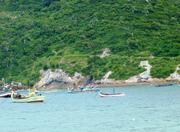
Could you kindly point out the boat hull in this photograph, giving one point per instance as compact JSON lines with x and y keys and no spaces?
{"x":5,"y":95}
{"x":111,"y":95}
{"x":29,"y":99}
{"x":26,"y":99}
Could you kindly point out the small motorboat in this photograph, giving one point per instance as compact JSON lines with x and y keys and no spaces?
{"x":30,"y":98}
{"x":111,"y":95}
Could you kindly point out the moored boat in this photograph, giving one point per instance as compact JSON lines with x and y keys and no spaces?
{"x":84,"y":90}
{"x":111,"y":95}
{"x":5,"y":91}
{"x":32,"y":97}
{"x":5,"y":94}
{"x":164,"y":85}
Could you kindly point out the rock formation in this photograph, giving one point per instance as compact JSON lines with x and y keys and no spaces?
{"x":58,"y":79}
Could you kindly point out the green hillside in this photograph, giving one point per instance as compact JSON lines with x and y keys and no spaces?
{"x":69,"y":34}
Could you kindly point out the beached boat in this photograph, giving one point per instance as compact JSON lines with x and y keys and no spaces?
{"x":111,"y":95}
{"x":30,"y":98}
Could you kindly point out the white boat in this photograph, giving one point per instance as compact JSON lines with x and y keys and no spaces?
{"x":5,"y":94}
{"x":5,"y":91}
{"x":111,"y":95}
{"x":18,"y":98}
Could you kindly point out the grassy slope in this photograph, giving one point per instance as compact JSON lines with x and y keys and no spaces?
{"x":68,"y":34}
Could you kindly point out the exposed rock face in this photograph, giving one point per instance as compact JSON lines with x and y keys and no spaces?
{"x":106,"y":76}
{"x":175,"y":75}
{"x":144,"y":76}
{"x":58,"y":78}
{"x":106,"y":79}
{"x":106,"y":52}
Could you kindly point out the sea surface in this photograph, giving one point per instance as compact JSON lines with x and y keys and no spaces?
{"x":145,"y":108}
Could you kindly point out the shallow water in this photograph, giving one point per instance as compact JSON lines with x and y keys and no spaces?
{"x":143,"y":109}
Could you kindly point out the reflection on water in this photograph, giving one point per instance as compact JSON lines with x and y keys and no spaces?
{"x":143,"y":109}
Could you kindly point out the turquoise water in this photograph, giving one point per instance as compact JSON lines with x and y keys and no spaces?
{"x":144,"y":109}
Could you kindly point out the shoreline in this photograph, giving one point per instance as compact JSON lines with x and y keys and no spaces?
{"x":115,"y":85}
{"x":102,"y":84}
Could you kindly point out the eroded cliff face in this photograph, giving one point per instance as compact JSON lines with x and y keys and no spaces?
{"x":175,"y":76}
{"x":144,"y":76}
{"x":58,"y":79}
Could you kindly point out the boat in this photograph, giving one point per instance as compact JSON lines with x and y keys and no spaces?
{"x":114,"y":94}
{"x":5,"y":94}
{"x":30,"y":98}
{"x":83,"y":90}
{"x":5,"y":91}
{"x":164,"y":85}
{"x":111,"y":95}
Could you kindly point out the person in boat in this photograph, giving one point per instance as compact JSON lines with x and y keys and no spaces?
{"x":16,"y":95}
{"x":32,"y":92}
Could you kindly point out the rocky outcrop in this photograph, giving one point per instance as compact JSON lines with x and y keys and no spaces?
{"x":58,"y":79}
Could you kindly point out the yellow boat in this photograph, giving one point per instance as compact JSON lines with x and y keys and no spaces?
{"x":30,"y":98}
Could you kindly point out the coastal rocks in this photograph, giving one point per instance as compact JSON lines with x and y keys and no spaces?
{"x":105,"y":53}
{"x":58,"y":79}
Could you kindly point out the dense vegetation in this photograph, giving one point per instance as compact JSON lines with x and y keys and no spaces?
{"x":69,"y":34}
